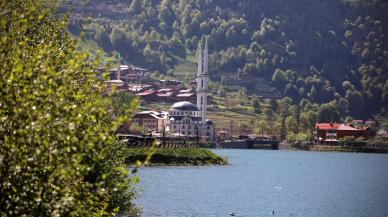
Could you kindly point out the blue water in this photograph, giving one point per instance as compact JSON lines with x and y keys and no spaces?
{"x":259,"y":181}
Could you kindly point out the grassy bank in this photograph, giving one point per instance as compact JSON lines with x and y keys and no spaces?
{"x":348,"y":149}
{"x":176,"y":156}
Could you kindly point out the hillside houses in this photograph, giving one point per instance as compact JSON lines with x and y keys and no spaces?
{"x":135,"y":80}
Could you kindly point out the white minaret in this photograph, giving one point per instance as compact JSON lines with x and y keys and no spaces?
{"x":199,"y":75}
{"x":202,"y":80}
{"x":205,"y":79}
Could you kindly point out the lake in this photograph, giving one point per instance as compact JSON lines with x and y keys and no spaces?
{"x":290,"y":183}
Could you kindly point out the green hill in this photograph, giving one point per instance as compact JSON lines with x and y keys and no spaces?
{"x":322,"y":51}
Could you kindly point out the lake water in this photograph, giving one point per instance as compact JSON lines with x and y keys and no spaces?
{"x":290,"y":183}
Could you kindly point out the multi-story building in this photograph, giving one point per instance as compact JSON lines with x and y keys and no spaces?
{"x":151,"y":121}
{"x":332,"y":132}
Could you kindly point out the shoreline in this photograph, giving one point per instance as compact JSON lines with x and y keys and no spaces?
{"x":349,"y":149}
{"x":323,"y":148}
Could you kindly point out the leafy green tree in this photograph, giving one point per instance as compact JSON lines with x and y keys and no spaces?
{"x":343,"y":107}
{"x":58,"y":153}
{"x":274,"y":104}
{"x":242,"y":93}
{"x":243,"y":126}
{"x":135,"y":6}
{"x":261,"y":127}
{"x":291,"y":138}
{"x":303,"y":103}
{"x":269,"y":114}
{"x":221,"y":91}
{"x":385,"y":96}
{"x":177,"y":47}
{"x":102,"y":38}
{"x":278,"y":78}
{"x":284,"y":106}
{"x":328,"y":112}
{"x":291,"y":124}
{"x":307,"y":120}
{"x":348,"y":86}
{"x":119,"y":40}
{"x":356,"y":103}
{"x":256,"y":105}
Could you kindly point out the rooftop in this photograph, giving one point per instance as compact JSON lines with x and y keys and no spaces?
{"x":184,"y":106}
{"x":338,"y":126}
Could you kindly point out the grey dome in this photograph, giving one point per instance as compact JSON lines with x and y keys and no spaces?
{"x":184,"y":106}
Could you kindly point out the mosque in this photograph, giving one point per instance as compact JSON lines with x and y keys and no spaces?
{"x":187,"y":119}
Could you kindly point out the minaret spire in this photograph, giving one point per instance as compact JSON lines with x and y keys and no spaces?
{"x":205,"y":58}
{"x":199,"y":58}
{"x":202,"y":82}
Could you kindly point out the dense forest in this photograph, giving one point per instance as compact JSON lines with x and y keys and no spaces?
{"x":329,"y":52}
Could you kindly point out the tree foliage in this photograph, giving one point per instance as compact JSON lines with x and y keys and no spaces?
{"x":58,"y":155}
{"x":317,"y":52}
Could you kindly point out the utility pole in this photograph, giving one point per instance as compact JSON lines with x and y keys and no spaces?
{"x":164,"y":133}
{"x":231,"y":130}
{"x":297,"y":116}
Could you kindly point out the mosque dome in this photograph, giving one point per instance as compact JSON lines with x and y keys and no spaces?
{"x":184,"y":106}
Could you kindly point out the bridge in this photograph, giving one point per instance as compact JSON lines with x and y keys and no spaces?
{"x":251,"y":144}
{"x":262,"y":144}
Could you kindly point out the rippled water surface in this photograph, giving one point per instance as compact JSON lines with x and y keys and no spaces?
{"x":258,"y":182}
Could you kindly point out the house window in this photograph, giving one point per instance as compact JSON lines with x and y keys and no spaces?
{"x":183,"y":132}
{"x":183,"y":127}
{"x":208,"y":127}
{"x":189,"y":127}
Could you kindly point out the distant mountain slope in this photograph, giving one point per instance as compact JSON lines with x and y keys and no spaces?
{"x":316,"y":50}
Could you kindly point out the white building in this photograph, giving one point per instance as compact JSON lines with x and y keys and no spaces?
{"x":151,"y":121}
{"x":187,"y":119}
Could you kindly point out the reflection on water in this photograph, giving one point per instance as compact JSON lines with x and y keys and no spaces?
{"x":270,"y":183}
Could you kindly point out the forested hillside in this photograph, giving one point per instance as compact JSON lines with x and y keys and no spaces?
{"x":331,"y":51}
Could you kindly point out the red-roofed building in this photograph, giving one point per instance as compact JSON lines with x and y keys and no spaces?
{"x":332,"y":132}
{"x":186,"y":96}
{"x":148,"y":95}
